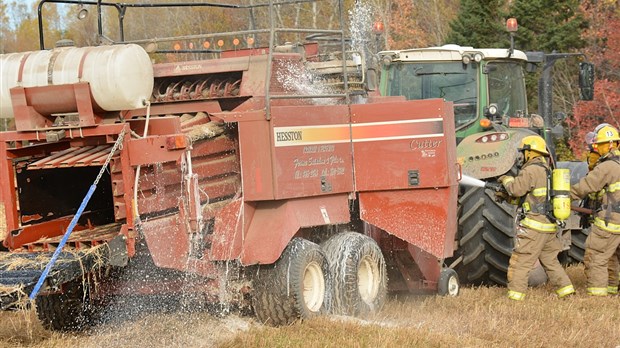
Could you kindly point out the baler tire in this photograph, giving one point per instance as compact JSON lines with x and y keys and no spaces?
{"x":448,"y":284}
{"x":66,"y":312}
{"x":359,"y":273}
{"x":295,"y":287}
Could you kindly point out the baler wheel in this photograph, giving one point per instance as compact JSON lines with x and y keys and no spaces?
{"x":295,"y":287}
{"x":359,"y":271}
{"x":448,"y":284}
{"x":68,"y":311}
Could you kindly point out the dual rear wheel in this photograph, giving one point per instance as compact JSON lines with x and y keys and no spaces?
{"x":345,"y":275}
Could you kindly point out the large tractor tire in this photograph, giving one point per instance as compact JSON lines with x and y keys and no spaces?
{"x":486,"y":239}
{"x":359,"y":273}
{"x":295,"y":287}
{"x":68,"y":311}
{"x":578,"y":245}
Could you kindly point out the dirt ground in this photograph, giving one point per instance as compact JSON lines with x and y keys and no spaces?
{"x":478,"y":317}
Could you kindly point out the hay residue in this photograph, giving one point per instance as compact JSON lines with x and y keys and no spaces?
{"x":205,"y":131}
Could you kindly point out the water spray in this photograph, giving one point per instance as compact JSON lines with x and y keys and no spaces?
{"x":471,"y":181}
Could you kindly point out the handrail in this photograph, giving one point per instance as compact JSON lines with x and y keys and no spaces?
{"x":272,"y":31}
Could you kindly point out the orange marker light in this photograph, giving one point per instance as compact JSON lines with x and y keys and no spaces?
{"x":235,"y":41}
{"x":177,"y":46}
{"x":220,"y":43}
{"x":485,"y":123}
{"x":512,"y":25}
{"x":250,"y":41}
{"x":206,"y":44}
{"x":378,"y":27}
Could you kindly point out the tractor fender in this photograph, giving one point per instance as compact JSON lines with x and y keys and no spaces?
{"x":490,"y":154}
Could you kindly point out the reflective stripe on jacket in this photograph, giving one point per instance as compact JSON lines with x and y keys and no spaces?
{"x":531,"y":182}
{"x":605,"y":176}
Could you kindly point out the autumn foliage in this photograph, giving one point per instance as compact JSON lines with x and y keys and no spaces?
{"x":603,"y":50}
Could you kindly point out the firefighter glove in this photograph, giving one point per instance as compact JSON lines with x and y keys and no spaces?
{"x":506,"y":179}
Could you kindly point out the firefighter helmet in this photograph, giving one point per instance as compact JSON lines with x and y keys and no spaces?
{"x":534,"y":143}
{"x":606,"y":134}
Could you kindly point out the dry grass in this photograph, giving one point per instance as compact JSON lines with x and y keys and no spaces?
{"x":479,"y":317}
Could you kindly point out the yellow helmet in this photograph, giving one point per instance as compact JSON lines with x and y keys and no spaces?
{"x":606,"y":134}
{"x":534,"y":143}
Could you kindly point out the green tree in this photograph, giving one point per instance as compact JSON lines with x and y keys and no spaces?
{"x":479,"y":23}
{"x":552,"y":26}
{"x":549,"y":25}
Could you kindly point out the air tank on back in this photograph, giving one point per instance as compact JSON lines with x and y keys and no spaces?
{"x":120,"y":76}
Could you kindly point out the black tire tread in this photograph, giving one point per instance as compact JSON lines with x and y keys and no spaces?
{"x":67,"y":312}
{"x":344,"y":251}
{"x":278,"y":288}
{"x":485,"y":237}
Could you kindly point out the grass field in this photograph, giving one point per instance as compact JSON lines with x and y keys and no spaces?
{"x":479,"y":317}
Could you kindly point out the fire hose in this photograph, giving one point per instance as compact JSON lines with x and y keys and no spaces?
{"x":77,"y":215}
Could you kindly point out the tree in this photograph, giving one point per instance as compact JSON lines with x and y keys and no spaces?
{"x":603,"y":49}
{"x":552,"y":26}
{"x":479,"y":23}
{"x":549,"y":25}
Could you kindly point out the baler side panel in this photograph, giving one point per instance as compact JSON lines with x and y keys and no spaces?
{"x":407,"y":147}
{"x":274,"y":223}
{"x":312,"y":150}
{"x":7,"y":191}
{"x":255,"y":155}
{"x":413,"y":153}
{"x":425,"y":218}
{"x":168,"y":241}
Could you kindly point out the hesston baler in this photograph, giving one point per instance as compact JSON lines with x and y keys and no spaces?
{"x":221,"y":181}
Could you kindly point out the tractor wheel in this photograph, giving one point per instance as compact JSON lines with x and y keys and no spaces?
{"x":295,"y":287}
{"x":577,"y":245}
{"x":359,"y":272}
{"x":485,"y":237}
{"x":68,"y":311}
{"x":448,"y":284}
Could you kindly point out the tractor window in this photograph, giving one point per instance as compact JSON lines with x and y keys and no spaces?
{"x":452,"y":81}
{"x":507,"y":88}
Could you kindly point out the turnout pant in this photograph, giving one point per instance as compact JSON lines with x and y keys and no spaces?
{"x":600,"y":246}
{"x":613,"y":272}
{"x":531,"y":245}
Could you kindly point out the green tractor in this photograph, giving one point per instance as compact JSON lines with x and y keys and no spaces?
{"x":487,"y":88}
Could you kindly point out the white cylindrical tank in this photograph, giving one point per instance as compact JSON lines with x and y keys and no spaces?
{"x":120,"y":76}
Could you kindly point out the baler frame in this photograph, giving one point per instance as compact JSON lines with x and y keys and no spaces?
{"x":287,"y":182}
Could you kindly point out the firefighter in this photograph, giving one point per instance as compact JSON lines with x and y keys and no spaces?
{"x":536,"y":237}
{"x":593,"y":202}
{"x":604,"y":237}
{"x":593,"y":155}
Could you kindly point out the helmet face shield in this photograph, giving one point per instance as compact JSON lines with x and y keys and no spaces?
{"x":590,"y":139}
